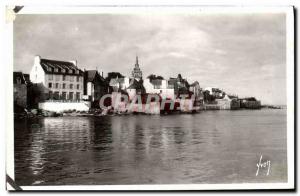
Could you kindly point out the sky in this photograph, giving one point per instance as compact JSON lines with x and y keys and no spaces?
{"x":243,"y":54}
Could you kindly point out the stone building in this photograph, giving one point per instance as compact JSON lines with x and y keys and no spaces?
{"x":20,"y":90}
{"x":180,"y":86}
{"x":95,"y":85}
{"x":57,"y":80}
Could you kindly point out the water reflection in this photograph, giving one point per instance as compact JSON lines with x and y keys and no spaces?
{"x":211,"y":147}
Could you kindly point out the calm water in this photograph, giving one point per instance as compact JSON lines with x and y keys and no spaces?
{"x":209,"y":147}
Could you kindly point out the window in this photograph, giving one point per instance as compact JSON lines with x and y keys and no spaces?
{"x":77,"y":96}
{"x":77,"y":78}
{"x":50,"y":95}
{"x":18,"y":80}
{"x":78,"y":86}
{"x":64,"y":86}
{"x":50,"y":85}
{"x":70,"y":95}
{"x":71,"y":78}
{"x":56,"y":85}
{"x":71,"y":86}
{"x":57,"y":77}
{"x":64,"y":78}
{"x":50,"y":77}
{"x":56,"y":95}
{"x":63,"y":95}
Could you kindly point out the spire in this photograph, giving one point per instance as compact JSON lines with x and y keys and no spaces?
{"x":137,"y":61}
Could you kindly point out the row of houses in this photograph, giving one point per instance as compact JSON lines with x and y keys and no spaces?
{"x":52,"y":84}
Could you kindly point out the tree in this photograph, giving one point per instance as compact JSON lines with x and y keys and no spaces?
{"x":154,"y":77}
{"x":111,"y":75}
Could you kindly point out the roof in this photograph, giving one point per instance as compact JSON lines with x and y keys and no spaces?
{"x":232,"y":96}
{"x":249,"y":99}
{"x":134,"y":84}
{"x":93,"y":75}
{"x":62,"y":67}
{"x":196,"y":83}
{"x":18,"y":75}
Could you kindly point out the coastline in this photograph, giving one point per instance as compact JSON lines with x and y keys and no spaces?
{"x":39,"y":113}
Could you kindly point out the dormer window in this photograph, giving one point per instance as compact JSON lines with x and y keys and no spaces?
{"x":70,"y":71}
{"x":49,"y":69}
{"x":56,"y":70}
{"x":77,"y":71}
{"x":63,"y":70}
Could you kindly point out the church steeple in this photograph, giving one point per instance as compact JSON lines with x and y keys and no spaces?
{"x":137,"y":73}
{"x":136,"y":61}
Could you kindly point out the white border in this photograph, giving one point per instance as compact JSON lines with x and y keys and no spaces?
{"x":157,"y":10}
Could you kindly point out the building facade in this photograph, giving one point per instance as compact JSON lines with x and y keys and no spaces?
{"x":159,"y":86}
{"x":119,"y":83}
{"x":95,"y":85}
{"x":58,"y":80}
{"x":180,"y":86}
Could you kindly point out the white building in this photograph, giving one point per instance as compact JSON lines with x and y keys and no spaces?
{"x":119,"y":83}
{"x":214,"y":91}
{"x":159,"y":86}
{"x":60,"y":80}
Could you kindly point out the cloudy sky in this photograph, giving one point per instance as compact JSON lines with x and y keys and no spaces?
{"x":243,"y":54}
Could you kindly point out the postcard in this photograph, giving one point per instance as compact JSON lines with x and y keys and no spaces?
{"x":150,"y":98}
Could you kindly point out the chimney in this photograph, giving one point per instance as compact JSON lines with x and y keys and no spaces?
{"x":101,"y":73}
{"x":37,"y":59}
{"x":74,"y":62}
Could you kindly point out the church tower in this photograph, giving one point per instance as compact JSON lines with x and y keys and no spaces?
{"x":137,"y":73}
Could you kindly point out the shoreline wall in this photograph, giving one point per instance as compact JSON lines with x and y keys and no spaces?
{"x":63,"y":106}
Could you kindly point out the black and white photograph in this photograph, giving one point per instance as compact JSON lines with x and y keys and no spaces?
{"x":151,"y":98}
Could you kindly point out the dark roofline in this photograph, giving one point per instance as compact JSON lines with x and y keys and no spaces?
{"x":45,"y":63}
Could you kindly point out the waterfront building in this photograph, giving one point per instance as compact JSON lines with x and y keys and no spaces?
{"x":159,"y":86}
{"x":250,"y":103}
{"x":95,"y":85}
{"x":228,"y":103}
{"x":20,"y":89}
{"x":216,"y":92}
{"x":136,"y":87}
{"x":119,"y":83}
{"x":197,"y":92}
{"x":58,"y":80}
{"x":137,"y":73}
{"x":180,"y":86}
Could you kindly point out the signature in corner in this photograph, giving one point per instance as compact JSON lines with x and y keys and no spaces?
{"x":266,"y":164}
